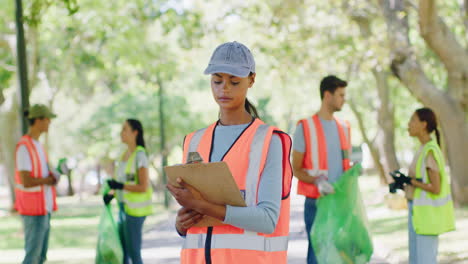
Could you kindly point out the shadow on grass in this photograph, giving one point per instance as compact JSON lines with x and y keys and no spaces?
{"x":73,"y":261}
{"x":389,"y":225}
{"x":73,"y":236}
{"x":81,"y":212}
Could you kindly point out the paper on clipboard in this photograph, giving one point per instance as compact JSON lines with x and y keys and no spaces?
{"x":213,"y":180}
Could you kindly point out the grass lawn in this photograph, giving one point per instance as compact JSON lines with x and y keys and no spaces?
{"x":74,"y":231}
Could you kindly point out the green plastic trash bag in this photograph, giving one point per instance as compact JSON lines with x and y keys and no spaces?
{"x":339,"y":233}
{"x":109,"y":249}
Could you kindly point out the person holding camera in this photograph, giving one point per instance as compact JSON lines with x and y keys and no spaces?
{"x":427,"y":189}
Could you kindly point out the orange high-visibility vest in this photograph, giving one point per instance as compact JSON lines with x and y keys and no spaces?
{"x":31,"y":201}
{"x":246,"y":159}
{"x":315,"y":157}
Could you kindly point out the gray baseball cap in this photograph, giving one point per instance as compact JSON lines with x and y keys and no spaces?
{"x":232,"y":58}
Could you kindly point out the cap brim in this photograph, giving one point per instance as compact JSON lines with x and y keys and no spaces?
{"x":227,"y":68}
{"x":51,"y":115}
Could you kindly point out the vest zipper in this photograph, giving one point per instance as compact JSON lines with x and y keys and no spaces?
{"x":209,"y":234}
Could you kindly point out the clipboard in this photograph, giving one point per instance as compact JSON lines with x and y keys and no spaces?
{"x":214,"y":182}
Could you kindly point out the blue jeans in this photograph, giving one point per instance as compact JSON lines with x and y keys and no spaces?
{"x":422,"y":248}
{"x":310,"y":210}
{"x":36,"y":238}
{"x":130,"y":232}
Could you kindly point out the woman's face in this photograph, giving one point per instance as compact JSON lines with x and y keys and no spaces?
{"x":127,"y":135}
{"x":230,"y":91}
{"x":416,"y":126}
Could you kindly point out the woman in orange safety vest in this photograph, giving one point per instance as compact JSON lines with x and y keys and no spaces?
{"x":257,"y":155}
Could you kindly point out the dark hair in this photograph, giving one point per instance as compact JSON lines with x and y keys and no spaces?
{"x":330,"y":84}
{"x":427,"y":115}
{"x":249,"y":107}
{"x":136,"y":125}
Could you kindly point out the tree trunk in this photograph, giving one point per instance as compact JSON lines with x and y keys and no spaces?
{"x":385,"y":147}
{"x":451,"y":53}
{"x":162,"y":131}
{"x":372,"y":148}
{"x":464,"y":13}
{"x":98,"y":175}
{"x":386,"y":120}
{"x":8,"y":138}
{"x":70,"y":191}
{"x":11,"y":132}
{"x":449,"y":109}
{"x":33,"y":59}
{"x":455,"y":130}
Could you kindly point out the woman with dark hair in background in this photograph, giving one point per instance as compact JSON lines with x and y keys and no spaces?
{"x":133,"y":190}
{"x":427,"y":190}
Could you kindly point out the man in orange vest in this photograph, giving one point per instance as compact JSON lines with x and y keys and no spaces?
{"x":34,"y":185}
{"x":321,"y":150}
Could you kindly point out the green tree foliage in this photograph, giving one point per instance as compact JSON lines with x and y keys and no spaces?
{"x":7,"y":64}
{"x":102,"y":132}
{"x":100,"y":62}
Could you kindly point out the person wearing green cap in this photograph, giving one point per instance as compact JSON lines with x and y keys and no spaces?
{"x":34,"y":185}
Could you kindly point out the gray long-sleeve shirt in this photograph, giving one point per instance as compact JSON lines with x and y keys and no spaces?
{"x":264,"y":216}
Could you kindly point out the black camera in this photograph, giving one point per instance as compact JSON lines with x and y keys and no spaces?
{"x":399,"y":181}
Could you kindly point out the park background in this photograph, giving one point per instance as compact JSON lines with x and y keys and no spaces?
{"x":96,"y":63}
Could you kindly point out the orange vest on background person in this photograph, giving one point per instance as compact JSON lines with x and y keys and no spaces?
{"x":315,"y":160}
{"x":246,"y":159}
{"x":31,"y":201}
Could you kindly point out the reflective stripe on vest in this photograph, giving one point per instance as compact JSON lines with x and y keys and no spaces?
{"x":238,"y":241}
{"x":196,"y":140}
{"x":315,"y":155}
{"x":424,"y":200}
{"x":253,"y":171}
{"x":27,"y":189}
{"x":136,"y":203}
